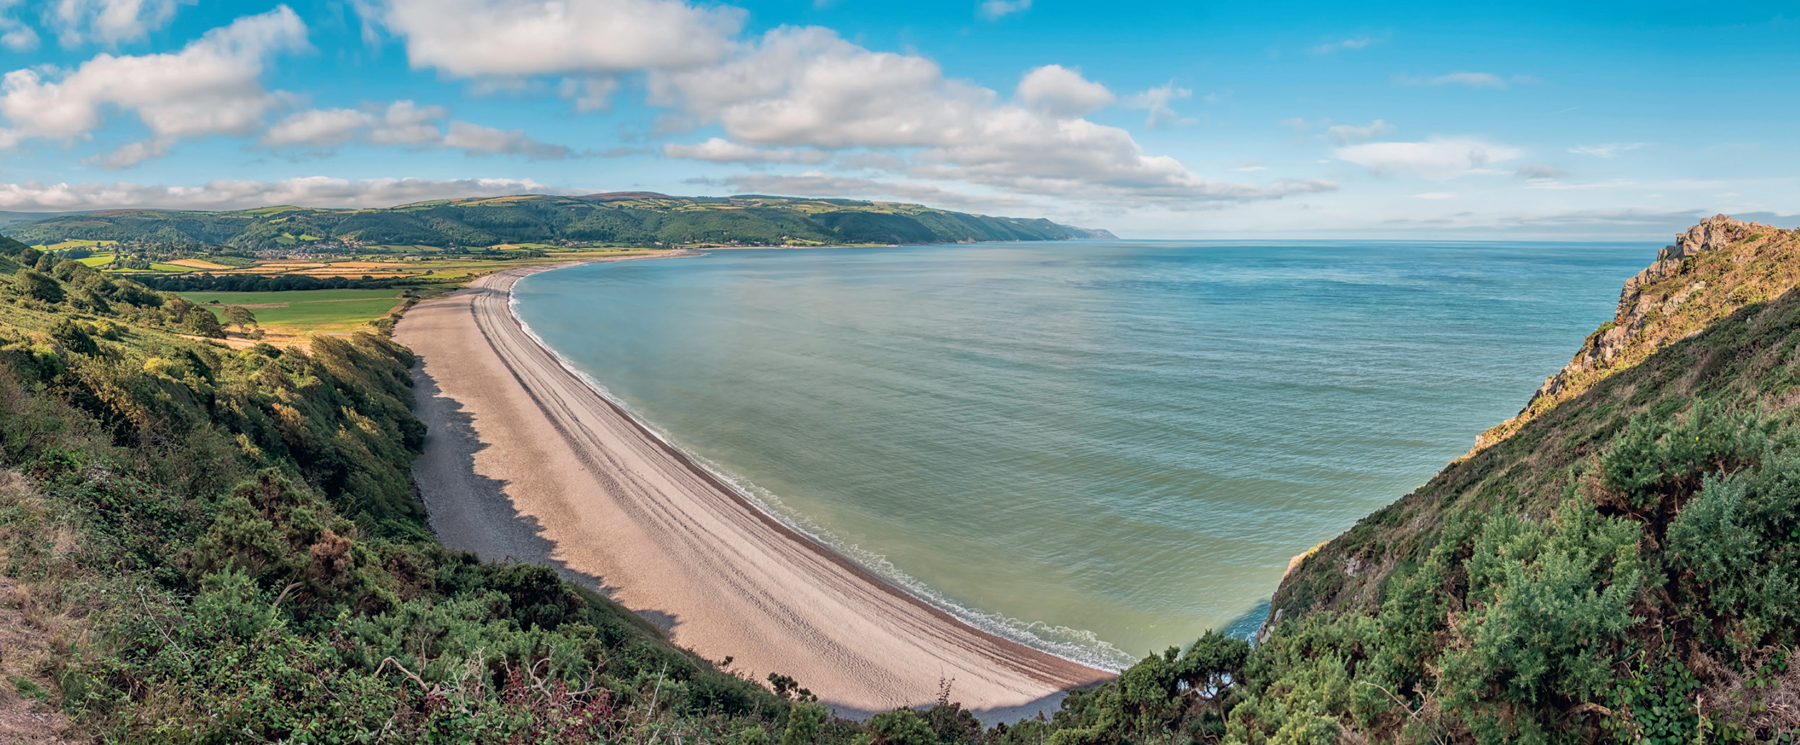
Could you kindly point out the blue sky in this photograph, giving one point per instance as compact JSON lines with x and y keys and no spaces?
{"x":1194,"y":120}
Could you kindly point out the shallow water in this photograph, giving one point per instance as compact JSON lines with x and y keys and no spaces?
{"x":1099,"y":448}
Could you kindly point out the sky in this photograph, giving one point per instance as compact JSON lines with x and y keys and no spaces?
{"x":1152,"y":119}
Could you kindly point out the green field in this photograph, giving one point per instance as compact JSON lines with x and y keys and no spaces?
{"x":101,"y":260}
{"x":306,"y":309}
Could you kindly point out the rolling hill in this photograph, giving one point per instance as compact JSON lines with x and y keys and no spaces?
{"x":619,"y":218}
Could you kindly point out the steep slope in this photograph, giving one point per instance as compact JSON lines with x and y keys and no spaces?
{"x":1715,"y":268}
{"x":631,"y":218}
{"x":1620,"y":561}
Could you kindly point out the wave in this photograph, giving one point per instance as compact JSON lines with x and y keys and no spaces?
{"x":1075,"y":645}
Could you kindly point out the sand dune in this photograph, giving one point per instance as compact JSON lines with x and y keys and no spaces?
{"x":526,"y":461}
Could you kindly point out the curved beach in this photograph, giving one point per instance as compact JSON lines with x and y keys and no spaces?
{"x":526,"y":461}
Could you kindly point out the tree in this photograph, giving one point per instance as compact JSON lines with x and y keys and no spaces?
{"x":240,"y":317}
{"x":202,"y":322}
{"x":38,"y":285}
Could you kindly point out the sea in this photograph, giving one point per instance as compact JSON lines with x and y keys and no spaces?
{"x":1099,"y":448}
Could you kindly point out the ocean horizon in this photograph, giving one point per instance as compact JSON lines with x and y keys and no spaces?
{"x":1097,"y":448}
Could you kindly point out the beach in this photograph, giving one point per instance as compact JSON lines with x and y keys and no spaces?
{"x":526,"y":461}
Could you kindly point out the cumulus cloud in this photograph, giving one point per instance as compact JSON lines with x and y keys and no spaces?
{"x":1608,"y":149}
{"x":476,"y":38}
{"x":109,"y":22}
{"x":718,"y":150}
{"x":1345,"y":133}
{"x":1436,"y":159}
{"x":404,"y":123}
{"x":1156,"y":100}
{"x":311,"y":191}
{"x":1061,"y":91}
{"x":211,"y":86}
{"x":994,"y":10}
{"x":806,"y":87}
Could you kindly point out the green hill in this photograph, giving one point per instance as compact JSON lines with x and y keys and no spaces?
{"x":630,"y":218}
{"x":1620,"y":563}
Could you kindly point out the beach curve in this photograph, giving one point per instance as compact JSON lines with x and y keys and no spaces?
{"x":526,"y":461}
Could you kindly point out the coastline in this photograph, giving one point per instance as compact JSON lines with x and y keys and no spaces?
{"x":528,"y":461}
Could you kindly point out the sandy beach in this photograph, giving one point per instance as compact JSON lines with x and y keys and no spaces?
{"x":525,"y":461}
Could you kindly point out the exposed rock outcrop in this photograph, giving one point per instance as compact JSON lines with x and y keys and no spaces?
{"x":1651,"y":313}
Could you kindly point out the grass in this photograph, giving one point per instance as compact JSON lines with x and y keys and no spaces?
{"x":101,"y":260}
{"x":307,"y":310}
{"x":304,"y":296}
{"x":74,"y":243}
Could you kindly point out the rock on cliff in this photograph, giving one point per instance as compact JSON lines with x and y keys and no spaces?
{"x":1696,"y":281}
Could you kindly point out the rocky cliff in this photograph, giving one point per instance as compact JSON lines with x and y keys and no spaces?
{"x":1712,"y":270}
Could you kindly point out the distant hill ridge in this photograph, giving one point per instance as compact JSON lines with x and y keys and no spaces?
{"x":623,"y":218}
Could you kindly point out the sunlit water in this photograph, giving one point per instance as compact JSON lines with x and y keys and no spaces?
{"x":1100,"y":448}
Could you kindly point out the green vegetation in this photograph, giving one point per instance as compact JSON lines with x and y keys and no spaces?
{"x":530,"y":223}
{"x":222,"y":546}
{"x":311,"y":309}
{"x":1624,"y":566}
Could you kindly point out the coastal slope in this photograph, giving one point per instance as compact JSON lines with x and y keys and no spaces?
{"x":526,"y":461}
{"x":629,"y":218}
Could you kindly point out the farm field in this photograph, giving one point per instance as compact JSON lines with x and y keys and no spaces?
{"x":302,"y":311}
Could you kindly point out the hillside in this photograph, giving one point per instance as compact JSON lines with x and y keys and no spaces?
{"x":1619,"y":563}
{"x":630,"y":218}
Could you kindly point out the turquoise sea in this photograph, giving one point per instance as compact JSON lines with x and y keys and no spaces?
{"x":1099,"y":448}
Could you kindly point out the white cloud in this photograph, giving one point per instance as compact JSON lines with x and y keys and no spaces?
{"x":313,"y":191}
{"x":1435,"y":195}
{"x":404,"y":123}
{"x":1435,"y":159}
{"x":1250,"y":167}
{"x":109,"y":22}
{"x":806,"y":87}
{"x":1354,"y":43}
{"x":996,"y":9}
{"x":474,"y":139}
{"x":1344,"y":133}
{"x":719,"y":150}
{"x":818,"y":184}
{"x":1607,"y":150}
{"x":1538,"y":172}
{"x":211,"y":86}
{"x":477,"y":38}
{"x":14,"y":34}
{"x":589,"y":94}
{"x":1156,"y":100}
{"x":1061,"y":91}
{"x":1471,"y":79}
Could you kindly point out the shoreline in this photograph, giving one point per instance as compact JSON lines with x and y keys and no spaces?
{"x":526,"y":460}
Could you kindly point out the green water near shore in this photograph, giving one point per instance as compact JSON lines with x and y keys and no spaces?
{"x":1099,"y":448}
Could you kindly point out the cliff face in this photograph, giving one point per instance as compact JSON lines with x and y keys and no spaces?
{"x":1620,"y":562}
{"x":1712,"y":270}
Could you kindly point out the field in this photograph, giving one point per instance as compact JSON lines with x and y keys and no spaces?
{"x":294,"y":313}
{"x":97,"y":261}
